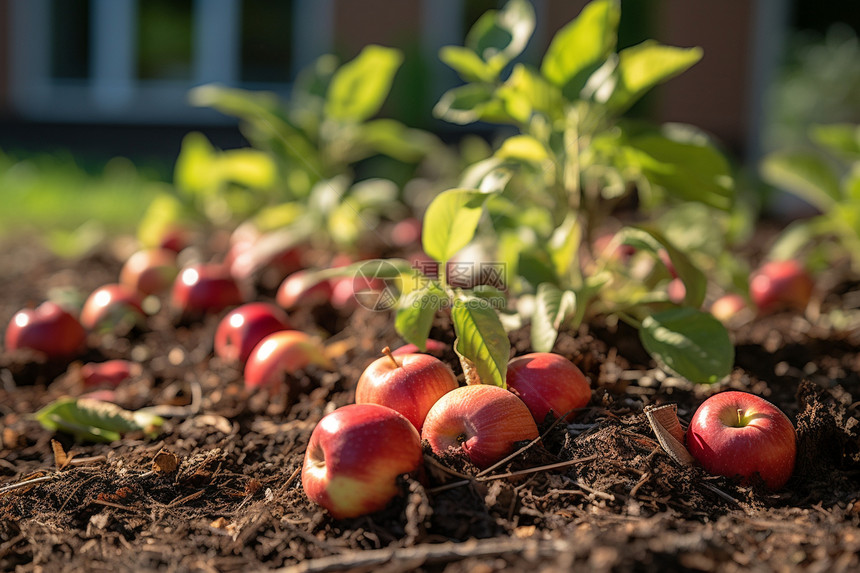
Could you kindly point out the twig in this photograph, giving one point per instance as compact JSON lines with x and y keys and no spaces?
{"x":190,"y":497}
{"x":524,"y":448}
{"x":721,"y":493}
{"x":645,"y":477}
{"x":435,"y":463}
{"x":89,"y":460}
{"x":429,"y":553}
{"x":116,"y":505}
{"x":597,"y":492}
{"x":538,"y":469}
{"x":449,"y":485}
{"x":27,"y":482}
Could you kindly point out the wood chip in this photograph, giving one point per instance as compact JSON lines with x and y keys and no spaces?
{"x":165,"y":462}
{"x":664,"y":421}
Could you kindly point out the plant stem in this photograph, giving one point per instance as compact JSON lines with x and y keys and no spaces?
{"x":387,"y":351}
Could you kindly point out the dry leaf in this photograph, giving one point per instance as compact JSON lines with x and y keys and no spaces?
{"x":61,"y":458}
{"x":664,"y":421}
{"x":165,"y":462}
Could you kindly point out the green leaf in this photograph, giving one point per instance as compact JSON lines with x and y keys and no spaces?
{"x":643,"y":66}
{"x":415,"y":313}
{"x":359,"y":87}
{"x":581,"y":47}
{"x":481,"y":339}
{"x":501,"y":35}
{"x":564,"y":245}
{"x":693,"y":278}
{"x":523,"y":148}
{"x":164,"y":212}
{"x":807,"y":175}
{"x":467,"y":104}
{"x":467,"y":64}
{"x":552,"y":307}
{"x":685,"y":165}
{"x":527,"y":85}
{"x":248,"y":167}
{"x":690,"y":343}
{"x":394,"y":139}
{"x":195,"y":170}
{"x":95,"y":420}
{"x":841,"y":139}
{"x":450,"y":222}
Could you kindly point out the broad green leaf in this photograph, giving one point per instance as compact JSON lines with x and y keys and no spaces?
{"x":690,"y":343}
{"x":807,"y":175}
{"x":581,"y":47}
{"x":415,"y":312}
{"x":643,"y":66}
{"x":467,"y":64}
{"x":467,"y":104}
{"x":95,"y":420}
{"x":528,"y":85}
{"x":842,"y":139}
{"x":195,"y":170}
{"x":359,"y":87}
{"x":394,"y":139}
{"x":275,"y":216}
{"x":481,"y":339}
{"x":552,"y":307}
{"x":694,"y":279}
{"x":523,"y":148}
{"x":450,"y":222}
{"x":247,"y":105}
{"x":851,"y":184}
{"x":501,"y":35}
{"x":248,"y":167}
{"x":687,"y":167}
{"x":564,"y":245}
{"x":797,"y":235}
{"x":491,"y":294}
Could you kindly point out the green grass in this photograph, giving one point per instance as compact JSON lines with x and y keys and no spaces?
{"x":52,"y":197}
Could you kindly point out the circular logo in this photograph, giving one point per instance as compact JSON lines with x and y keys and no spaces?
{"x":377,"y":284}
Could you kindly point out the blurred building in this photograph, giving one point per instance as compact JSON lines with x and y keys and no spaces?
{"x":80,"y":68}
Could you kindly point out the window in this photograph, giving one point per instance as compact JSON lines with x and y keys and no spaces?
{"x":266,"y":41}
{"x":70,"y":39}
{"x":164,"y":39}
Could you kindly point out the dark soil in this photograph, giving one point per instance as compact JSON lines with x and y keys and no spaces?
{"x":235,"y":501}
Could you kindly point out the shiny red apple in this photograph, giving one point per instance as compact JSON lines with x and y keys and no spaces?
{"x":244,"y":327}
{"x":48,"y":329}
{"x":432,"y":346}
{"x":741,"y":435}
{"x":728,"y":306}
{"x":409,"y":384}
{"x":484,"y":422}
{"x":279,"y":354}
{"x":355,"y":456}
{"x":109,"y":373}
{"x":297,"y":290}
{"x":781,"y":285}
{"x":149,"y":271}
{"x":204,"y":288}
{"x":112,"y":308}
{"x":548,"y":382}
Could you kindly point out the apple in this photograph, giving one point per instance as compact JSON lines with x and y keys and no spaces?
{"x":282,"y":353}
{"x":781,"y":284}
{"x":296,"y":290}
{"x":244,"y":327}
{"x":407,"y":232}
{"x":203,"y":288}
{"x":433,"y":347}
{"x":347,"y":293}
{"x":728,"y":306}
{"x":676,"y":290}
{"x":175,"y":239}
{"x":112,"y":308}
{"x":738,"y":434}
{"x":48,"y":329}
{"x":548,"y":382}
{"x":149,"y":271}
{"x":354,"y":457}
{"x":109,"y":373}
{"x":482,"y":421}
{"x":270,"y":256}
{"x":409,"y":384}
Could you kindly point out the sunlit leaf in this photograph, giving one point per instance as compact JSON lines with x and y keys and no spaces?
{"x":359,"y":87}
{"x":415,"y":313}
{"x":481,"y":339}
{"x":450,"y":222}
{"x":807,"y":175}
{"x":690,"y":343}
{"x":552,"y":307}
{"x":842,"y":139}
{"x":467,"y":64}
{"x":95,"y":420}
{"x":643,"y":66}
{"x":501,"y":35}
{"x":523,"y":148}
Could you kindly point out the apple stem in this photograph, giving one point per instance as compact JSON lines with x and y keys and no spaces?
{"x":740,"y":417}
{"x":387,"y":351}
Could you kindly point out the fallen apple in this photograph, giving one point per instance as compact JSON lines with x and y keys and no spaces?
{"x":244,"y":327}
{"x":432,"y":346}
{"x":299,"y":289}
{"x":484,"y":422}
{"x":781,"y":285}
{"x":548,"y":382}
{"x":149,"y":271}
{"x":409,"y":384}
{"x":728,"y":306}
{"x":354,"y":457}
{"x":109,"y":373}
{"x":281,"y":353}
{"x":738,"y":434}
{"x":204,"y":288}
{"x":48,"y":329}
{"x":112,"y":308}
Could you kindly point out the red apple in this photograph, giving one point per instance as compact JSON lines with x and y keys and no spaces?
{"x":175,"y":239}
{"x":728,"y":306}
{"x":150,"y":271}
{"x":48,"y":329}
{"x":737,"y":434}
{"x":279,"y":354}
{"x":296,"y":290}
{"x":355,"y":456}
{"x":244,"y":327}
{"x":109,"y":373}
{"x":348,"y":293}
{"x":407,"y":232}
{"x":112,"y":307}
{"x":547,"y":382}
{"x":271,"y":256}
{"x":781,"y":284}
{"x":677,"y":290}
{"x":482,"y":421}
{"x":433,"y":347}
{"x":409,"y":384}
{"x":204,"y":288}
